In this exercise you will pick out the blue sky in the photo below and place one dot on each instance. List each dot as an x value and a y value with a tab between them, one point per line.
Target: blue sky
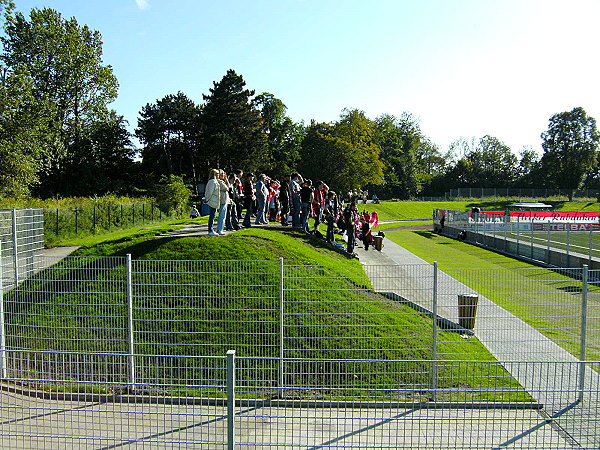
465	68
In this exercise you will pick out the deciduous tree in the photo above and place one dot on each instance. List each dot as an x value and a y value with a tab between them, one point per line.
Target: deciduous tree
570	149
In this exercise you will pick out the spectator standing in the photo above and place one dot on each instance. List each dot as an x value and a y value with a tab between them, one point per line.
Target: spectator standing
319	197
223	201
232	222
212	197
350	215
273	200
329	220
295	199
284	200
248	198
262	195
306	199
239	201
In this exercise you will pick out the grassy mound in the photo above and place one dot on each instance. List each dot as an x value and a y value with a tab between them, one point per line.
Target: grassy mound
201	296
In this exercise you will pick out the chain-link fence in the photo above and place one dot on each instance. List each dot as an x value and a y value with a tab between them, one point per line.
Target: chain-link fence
133	352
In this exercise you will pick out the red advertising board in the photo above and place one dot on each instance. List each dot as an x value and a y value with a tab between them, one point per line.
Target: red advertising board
582	216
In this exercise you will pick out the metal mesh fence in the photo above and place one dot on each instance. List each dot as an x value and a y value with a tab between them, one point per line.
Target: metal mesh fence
63	223
517	192
347	405
380	356
556	244
21	239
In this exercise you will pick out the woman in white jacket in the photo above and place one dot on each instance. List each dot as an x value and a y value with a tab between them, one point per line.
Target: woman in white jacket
213	196
223	201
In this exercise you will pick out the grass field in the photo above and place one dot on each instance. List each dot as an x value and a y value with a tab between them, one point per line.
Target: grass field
582	242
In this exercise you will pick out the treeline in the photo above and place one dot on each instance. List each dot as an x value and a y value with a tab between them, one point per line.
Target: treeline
58	136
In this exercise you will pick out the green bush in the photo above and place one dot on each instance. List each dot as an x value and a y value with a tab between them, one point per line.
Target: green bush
172	189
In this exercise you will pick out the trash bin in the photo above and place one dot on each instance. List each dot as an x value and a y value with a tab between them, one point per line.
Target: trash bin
467	309
378	242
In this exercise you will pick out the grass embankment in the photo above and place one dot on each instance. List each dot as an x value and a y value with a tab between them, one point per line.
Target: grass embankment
202	296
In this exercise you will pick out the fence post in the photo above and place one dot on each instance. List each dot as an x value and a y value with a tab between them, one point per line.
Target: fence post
2	330
15	247
568	245
582	355
548	243
57	225
281	321
434	368
531	236
518	234
231	399
591	246
130	323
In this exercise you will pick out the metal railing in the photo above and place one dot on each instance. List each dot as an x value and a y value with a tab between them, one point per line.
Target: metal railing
326	355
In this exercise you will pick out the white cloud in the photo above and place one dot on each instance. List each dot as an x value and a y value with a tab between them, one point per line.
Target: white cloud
142	4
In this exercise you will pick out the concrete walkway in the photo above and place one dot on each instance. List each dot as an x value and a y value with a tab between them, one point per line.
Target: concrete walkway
549	373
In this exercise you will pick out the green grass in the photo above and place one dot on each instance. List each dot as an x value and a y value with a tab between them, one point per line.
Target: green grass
583	242
545	299
202	296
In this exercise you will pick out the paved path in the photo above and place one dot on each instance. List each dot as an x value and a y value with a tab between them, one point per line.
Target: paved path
548	372
37	423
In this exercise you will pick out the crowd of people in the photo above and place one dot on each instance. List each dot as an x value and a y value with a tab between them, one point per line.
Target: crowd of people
237	199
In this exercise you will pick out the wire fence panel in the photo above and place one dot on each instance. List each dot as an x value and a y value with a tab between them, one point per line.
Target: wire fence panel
380	355
347	404
471	192
335	311
558	244
67	409
62	223
196	307
21	240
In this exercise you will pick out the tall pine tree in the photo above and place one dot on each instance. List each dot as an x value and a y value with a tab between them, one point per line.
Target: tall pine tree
233	135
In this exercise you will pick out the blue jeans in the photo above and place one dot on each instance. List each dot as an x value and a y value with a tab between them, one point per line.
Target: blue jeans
351	238
211	219
296	212
260	214
304	217
222	216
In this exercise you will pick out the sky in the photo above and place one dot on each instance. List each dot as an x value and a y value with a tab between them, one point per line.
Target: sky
463	68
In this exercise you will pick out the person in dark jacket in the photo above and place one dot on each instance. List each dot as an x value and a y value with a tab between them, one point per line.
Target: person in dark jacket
248	198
